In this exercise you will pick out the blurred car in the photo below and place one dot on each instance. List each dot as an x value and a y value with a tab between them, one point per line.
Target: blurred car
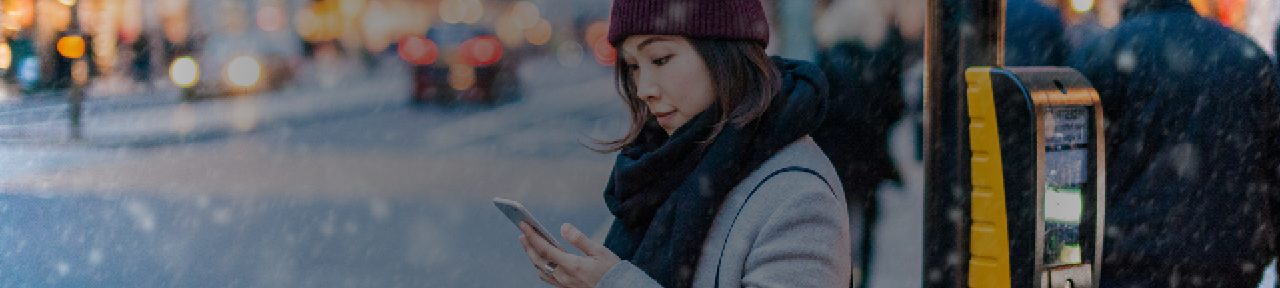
230	65
460	63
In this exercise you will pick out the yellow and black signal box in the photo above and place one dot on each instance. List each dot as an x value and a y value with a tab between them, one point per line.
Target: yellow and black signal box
1037	199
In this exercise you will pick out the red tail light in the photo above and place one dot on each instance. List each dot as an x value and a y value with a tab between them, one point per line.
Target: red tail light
481	50
418	50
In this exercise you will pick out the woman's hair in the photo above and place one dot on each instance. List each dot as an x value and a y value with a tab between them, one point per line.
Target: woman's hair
744	80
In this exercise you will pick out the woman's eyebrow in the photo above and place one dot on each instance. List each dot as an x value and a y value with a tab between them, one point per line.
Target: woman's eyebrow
652	40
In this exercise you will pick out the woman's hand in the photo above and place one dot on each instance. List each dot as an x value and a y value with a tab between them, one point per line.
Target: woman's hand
566	270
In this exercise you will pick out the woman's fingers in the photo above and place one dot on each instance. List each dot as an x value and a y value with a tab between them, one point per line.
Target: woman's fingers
568	270
545	249
547	277
533	253
575	237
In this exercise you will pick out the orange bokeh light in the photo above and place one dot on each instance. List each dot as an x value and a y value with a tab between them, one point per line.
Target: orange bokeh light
71	47
539	34
525	14
596	31
605	53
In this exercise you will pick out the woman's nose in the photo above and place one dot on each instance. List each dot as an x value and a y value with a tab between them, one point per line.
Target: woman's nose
646	89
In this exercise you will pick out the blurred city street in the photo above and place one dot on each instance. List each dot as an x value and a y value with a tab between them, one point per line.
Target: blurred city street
380	193
344	187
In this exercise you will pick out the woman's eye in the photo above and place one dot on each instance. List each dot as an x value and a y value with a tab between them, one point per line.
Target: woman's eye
633	67
663	60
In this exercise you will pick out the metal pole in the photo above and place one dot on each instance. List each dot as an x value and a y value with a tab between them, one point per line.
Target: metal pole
76	98
959	34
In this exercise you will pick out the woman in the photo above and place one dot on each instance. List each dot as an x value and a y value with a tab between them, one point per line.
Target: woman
717	183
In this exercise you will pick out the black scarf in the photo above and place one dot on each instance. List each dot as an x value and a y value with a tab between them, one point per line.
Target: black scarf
666	191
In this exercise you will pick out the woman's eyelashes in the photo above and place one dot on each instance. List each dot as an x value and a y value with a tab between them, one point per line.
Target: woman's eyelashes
656	62
663	60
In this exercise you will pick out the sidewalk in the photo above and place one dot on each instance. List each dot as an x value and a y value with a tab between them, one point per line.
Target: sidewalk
195	121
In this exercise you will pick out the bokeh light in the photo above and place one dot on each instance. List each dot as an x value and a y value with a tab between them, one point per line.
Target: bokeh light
6	55
184	72
605	53
378	25
1232	12
67	2
11	21
28	72
569	53
351	8
418	15
18	14
478	51
131	21
244	71
307	24
597	30
71	47
176	30
1081	6
418	50
525	14
539	34
462	77
475	10
453	11
508	32
271	18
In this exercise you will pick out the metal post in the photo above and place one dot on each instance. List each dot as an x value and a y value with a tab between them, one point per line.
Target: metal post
75	99
960	34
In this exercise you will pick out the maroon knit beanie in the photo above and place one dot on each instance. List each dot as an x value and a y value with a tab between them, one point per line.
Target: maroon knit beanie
710	19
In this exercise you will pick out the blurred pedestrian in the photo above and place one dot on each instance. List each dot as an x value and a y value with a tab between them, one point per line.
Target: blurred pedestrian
717	183
862	55
141	61
1034	35
1085	30
1191	114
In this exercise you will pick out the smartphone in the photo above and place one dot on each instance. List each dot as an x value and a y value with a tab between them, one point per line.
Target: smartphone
517	214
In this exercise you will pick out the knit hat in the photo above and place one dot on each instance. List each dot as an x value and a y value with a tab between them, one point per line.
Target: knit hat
711	19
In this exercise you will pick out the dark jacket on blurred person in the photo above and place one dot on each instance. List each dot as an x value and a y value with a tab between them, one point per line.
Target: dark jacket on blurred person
862	57
866	89
1191	113
1035	35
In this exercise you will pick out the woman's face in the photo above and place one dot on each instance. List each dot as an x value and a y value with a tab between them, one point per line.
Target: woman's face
671	78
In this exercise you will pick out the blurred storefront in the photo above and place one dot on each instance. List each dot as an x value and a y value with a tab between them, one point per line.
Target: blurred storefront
1257	18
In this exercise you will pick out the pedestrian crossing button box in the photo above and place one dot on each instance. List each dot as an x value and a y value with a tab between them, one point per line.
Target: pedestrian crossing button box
1037	178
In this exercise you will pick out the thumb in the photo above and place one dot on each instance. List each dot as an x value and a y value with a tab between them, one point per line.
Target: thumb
575	237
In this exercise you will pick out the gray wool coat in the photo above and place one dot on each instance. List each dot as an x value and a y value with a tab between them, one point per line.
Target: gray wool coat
793	231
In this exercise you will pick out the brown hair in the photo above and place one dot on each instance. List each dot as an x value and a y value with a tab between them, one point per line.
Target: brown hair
743	77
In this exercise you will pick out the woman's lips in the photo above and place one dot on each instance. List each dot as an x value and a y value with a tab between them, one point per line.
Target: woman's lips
664	117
